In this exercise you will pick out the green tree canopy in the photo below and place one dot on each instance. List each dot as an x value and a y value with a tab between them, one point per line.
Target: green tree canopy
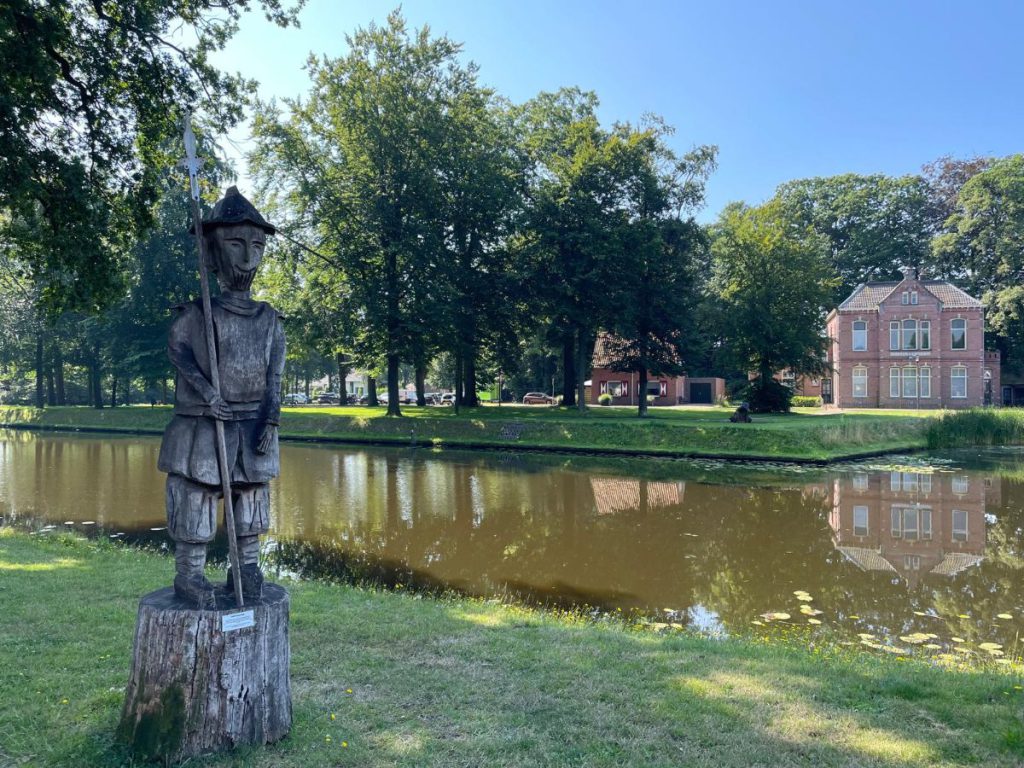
773	286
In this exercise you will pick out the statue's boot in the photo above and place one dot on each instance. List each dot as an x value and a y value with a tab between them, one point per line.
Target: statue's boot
190	582
252	576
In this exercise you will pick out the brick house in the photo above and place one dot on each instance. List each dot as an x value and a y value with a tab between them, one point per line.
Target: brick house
666	390
911	523
910	343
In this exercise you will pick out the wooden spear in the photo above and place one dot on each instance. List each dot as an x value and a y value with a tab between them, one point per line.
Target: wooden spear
192	163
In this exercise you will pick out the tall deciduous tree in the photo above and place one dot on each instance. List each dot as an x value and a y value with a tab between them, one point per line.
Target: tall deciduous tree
359	163
983	247
653	318
774	284
91	91
873	225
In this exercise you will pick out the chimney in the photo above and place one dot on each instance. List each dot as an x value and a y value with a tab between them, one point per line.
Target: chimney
910	273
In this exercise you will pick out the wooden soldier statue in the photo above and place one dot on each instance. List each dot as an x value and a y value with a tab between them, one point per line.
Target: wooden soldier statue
250	349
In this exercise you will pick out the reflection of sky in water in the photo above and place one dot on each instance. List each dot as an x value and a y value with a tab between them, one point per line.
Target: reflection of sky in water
875	544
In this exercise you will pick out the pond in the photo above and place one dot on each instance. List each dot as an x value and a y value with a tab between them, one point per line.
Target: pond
923	548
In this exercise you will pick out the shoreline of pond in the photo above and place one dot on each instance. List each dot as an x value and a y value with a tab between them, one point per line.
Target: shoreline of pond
815	440
399	648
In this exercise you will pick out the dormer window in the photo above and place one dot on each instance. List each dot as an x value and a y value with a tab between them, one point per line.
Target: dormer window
913	297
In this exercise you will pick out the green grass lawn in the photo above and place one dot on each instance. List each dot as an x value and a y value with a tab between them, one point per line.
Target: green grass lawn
388	679
806	434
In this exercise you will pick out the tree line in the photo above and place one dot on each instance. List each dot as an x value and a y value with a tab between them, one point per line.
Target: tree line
431	228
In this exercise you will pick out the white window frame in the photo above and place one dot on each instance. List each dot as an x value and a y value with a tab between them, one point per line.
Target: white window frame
957	322
860	526
905	298
959	532
860	481
910	382
894	335
860	372
913	297
911	326
895	385
961	484
955	373
623	387
924	382
924	333
863	346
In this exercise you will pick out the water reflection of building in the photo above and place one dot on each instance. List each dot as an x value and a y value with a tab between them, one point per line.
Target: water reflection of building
911	523
613	495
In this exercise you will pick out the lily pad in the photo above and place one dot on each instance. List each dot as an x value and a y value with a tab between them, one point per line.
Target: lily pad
775	616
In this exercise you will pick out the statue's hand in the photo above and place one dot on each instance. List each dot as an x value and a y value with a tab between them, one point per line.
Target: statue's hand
266	441
219	409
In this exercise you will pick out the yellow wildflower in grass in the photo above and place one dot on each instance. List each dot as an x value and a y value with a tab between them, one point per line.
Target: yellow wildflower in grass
344	744
348	690
332	715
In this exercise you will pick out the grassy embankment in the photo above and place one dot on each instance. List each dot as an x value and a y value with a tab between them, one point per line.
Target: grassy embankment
804	435
388	679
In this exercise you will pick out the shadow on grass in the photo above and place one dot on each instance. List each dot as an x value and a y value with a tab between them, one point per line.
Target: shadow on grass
412	681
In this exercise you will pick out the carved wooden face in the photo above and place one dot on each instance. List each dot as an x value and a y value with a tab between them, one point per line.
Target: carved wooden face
235	254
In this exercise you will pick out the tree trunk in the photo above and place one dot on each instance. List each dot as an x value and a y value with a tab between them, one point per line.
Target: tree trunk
585	352
421	385
568	370
164	384
51	392
96	380
306	387
58	375
40	373
642	392
394	406
371	391
458	380
197	687
342	376
469	379
113	391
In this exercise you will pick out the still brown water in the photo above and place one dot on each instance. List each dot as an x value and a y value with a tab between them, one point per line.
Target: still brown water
929	545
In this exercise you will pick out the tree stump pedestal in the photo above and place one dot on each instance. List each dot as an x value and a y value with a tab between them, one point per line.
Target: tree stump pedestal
206	681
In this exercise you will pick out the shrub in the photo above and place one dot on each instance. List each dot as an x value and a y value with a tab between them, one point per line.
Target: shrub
804	401
605	399
650	399
768	396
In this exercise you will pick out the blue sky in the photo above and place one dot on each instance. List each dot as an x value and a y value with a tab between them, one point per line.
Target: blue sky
786	90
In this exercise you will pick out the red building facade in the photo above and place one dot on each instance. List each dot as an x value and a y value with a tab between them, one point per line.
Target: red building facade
909	344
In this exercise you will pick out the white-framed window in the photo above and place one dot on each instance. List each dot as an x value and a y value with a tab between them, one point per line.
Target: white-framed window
925	335
911	522
910	382
657	388
911	481
905	298
925	381
894	481
926	483
894	382
958	334
789	379
615	388
913	297
860	481
860	381
961	484
958	381
860	521
910	334
860	336
894	335
912	562
959	525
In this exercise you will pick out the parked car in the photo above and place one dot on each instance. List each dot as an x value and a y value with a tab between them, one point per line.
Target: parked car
432	398
329	398
448	398
295	398
537	398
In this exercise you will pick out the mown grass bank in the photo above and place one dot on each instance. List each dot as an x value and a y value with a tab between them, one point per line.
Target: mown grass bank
801	436
387	679
977	427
